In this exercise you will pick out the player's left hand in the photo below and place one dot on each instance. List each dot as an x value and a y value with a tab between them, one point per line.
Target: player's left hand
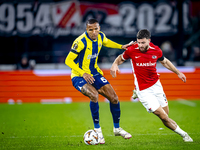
113	70
182	77
127	45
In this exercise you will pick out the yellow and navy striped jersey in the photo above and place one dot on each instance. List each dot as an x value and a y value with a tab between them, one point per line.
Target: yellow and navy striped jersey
84	54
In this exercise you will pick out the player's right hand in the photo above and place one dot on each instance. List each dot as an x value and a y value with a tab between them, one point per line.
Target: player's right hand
182	77
127	45
88	78
113	70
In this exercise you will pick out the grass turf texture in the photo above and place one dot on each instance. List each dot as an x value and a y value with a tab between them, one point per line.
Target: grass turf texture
62	126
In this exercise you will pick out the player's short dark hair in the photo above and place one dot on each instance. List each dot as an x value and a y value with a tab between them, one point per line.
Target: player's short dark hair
91	21
144	33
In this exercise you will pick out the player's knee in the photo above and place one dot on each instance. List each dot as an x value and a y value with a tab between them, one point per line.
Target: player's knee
160	112
94	97
114	99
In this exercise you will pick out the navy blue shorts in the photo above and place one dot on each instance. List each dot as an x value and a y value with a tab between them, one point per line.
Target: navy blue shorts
79	82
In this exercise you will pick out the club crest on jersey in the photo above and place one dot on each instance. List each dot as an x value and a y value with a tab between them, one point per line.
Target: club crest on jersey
100	45
154	57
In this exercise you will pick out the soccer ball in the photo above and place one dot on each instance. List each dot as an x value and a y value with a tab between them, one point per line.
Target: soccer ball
91	137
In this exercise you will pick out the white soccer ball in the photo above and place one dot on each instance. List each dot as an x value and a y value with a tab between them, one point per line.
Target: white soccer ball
91	137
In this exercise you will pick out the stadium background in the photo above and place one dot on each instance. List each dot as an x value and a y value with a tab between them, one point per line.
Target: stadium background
43	31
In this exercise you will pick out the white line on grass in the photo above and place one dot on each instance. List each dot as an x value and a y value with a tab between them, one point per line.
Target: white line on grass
14	137
186	102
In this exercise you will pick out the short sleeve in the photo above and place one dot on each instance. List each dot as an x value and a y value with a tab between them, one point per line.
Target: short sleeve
125	55
161	58
160	55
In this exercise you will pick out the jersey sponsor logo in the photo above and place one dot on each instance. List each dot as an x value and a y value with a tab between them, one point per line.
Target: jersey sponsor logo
146	64
137	56
93	56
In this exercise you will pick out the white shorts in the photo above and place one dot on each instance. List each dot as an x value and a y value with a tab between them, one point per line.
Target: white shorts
153	97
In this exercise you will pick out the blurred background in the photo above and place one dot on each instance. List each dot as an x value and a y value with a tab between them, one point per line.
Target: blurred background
41	32
36	35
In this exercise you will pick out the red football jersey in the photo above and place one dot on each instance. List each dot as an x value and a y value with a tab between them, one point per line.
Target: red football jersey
144	64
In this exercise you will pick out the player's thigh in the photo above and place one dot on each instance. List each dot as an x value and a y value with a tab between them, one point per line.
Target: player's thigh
166	109
108	92
158	90
85	88
148	100
89	91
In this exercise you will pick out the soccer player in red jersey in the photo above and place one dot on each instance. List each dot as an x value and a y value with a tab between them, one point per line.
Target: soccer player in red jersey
144	56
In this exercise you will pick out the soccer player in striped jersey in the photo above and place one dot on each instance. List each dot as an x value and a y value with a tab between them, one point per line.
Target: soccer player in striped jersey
88	78
149	90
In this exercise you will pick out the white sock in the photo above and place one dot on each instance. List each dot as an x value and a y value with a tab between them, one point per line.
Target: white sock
180	131
97	128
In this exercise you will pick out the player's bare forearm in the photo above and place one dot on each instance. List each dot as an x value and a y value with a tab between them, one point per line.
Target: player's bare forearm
114	68
167	64
118	61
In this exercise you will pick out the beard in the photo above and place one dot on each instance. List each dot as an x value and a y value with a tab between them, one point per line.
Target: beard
93	37
144	49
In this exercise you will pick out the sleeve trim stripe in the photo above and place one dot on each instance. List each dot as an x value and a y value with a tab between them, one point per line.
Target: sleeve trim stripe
123	57
74	51
161	58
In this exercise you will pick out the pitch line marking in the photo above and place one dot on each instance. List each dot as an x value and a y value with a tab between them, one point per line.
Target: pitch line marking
13	137
186	102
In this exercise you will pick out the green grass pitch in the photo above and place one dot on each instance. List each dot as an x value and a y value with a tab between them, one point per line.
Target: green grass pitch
62	126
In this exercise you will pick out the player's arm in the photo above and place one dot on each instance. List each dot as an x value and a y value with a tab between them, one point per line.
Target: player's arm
76	48
69	61
111	44
167	64
114	68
